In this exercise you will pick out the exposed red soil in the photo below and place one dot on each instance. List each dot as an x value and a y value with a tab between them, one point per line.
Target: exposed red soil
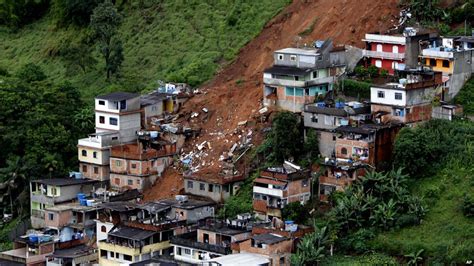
235	93
169	185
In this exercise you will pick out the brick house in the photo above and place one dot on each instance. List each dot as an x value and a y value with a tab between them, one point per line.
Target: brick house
138	165
276	247
278	186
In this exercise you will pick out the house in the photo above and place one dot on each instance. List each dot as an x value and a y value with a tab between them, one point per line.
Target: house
138	165
409	100
94	155
447	111
111	214
29	250
209	241
48	193
453	56
273	246
118	112
338	174
217	187
78	255
300	75
155	104
126	245
183	208
324	118
396	51
278	186
370	144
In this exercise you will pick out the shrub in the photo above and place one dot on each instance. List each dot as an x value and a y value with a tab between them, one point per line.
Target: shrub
356	88
31	72
468	206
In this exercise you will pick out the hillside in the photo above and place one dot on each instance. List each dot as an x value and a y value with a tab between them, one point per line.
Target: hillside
234	95
163	40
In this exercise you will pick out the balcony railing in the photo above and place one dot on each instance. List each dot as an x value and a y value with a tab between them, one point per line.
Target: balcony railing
437	53
383	55
297	83
186	240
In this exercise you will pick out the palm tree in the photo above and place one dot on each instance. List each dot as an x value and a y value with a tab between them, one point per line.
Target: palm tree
312	248
415	258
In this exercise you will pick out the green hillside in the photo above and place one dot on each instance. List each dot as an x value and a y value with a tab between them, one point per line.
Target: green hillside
163	40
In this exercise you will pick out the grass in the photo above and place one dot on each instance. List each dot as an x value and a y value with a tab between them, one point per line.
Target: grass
369	259
180	40
445	234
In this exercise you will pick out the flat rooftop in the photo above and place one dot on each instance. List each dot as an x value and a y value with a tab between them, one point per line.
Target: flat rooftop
131	233
60	182
73	252
299	51
269	239
118	96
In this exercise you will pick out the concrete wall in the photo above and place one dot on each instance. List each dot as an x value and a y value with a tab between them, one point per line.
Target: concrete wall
275	251
219	192
101	156
100	235
389	96
297	191
193	215
123	182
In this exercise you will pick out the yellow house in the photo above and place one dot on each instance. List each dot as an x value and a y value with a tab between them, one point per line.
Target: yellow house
445	65
126	245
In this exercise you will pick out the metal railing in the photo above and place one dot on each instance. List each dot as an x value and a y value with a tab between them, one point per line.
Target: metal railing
385	55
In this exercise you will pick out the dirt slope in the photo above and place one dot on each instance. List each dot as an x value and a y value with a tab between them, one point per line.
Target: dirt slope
235	93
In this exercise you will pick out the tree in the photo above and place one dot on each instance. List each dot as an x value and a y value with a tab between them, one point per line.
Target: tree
105	21
313	247
285	135
31	72
294	211
75	11
311	145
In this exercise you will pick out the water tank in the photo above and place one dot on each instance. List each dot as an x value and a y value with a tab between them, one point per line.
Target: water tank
340	105
81	196
33	238
154	134
320	104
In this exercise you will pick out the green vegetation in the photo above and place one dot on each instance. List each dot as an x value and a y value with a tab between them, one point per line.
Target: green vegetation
465	97
363	260
446	234
356	88
185	41
284	141
240	202
313	248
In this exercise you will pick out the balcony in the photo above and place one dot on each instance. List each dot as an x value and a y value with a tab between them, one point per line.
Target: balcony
269	191
37	214
297	83
99	140
437	53
383	55
190	240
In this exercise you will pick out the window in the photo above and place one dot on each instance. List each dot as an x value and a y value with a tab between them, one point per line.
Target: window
138	182
102	119
304	182
96	170
112	254
315	74
123	105
153	108
202	186
103	253
113	121
432	62
114	138
398	95
190	184
379	48
211	188
282	260
127	257
103	229
118	163
51	216
101	102
130	182
94	154
117	181
314	118
84	168
291	91
378	63
293	57
187	251
297	78
134	166
395	49
280	57
84	153
445	63
54	191
333	137
380	94
344	151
